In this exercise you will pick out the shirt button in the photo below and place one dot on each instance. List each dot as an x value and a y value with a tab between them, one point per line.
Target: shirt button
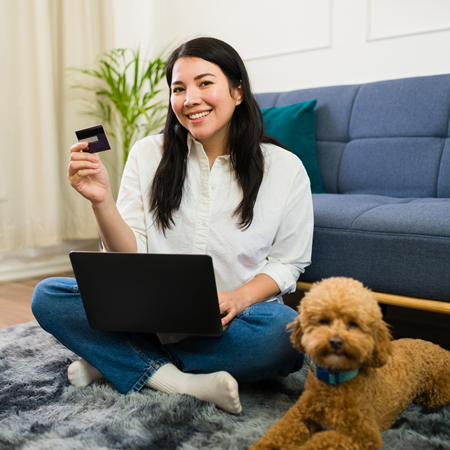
203	223
213	188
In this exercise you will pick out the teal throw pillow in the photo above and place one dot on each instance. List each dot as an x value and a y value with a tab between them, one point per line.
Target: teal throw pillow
295	127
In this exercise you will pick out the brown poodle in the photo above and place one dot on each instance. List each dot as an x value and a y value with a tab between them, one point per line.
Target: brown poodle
359	381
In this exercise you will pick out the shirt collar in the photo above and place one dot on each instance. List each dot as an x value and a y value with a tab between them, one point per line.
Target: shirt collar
192	143
195	147
334	378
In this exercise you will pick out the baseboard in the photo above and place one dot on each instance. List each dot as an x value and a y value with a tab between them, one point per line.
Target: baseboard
35	269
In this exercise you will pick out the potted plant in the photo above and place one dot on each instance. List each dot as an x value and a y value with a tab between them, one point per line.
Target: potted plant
126	95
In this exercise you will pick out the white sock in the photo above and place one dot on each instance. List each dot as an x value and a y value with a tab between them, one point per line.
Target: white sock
219	388
81	373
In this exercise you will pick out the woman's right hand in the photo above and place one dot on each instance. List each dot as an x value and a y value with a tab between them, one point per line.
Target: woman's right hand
87	174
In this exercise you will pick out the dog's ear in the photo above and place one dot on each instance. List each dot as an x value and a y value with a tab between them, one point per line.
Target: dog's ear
382	348
295	328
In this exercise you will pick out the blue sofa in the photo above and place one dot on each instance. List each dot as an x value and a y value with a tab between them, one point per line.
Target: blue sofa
383	151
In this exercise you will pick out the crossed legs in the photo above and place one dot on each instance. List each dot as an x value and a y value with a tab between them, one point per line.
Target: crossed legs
255	347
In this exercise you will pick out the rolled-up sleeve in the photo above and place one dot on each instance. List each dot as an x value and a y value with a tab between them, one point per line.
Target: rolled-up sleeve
291	250
130	202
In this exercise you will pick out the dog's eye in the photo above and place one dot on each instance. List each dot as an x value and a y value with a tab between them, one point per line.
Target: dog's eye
324	321
352	324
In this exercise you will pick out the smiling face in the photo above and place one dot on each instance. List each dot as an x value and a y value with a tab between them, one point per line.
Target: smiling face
203	101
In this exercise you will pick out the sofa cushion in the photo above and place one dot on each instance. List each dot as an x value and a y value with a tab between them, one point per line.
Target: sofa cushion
329	156
294	126
399	108
393	245
443	184
399	167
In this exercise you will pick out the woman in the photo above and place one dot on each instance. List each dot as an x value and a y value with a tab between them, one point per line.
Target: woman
214	184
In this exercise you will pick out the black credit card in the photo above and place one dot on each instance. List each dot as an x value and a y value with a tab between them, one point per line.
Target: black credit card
96	137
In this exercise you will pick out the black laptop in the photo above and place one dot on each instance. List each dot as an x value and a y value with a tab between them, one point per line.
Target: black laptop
148	293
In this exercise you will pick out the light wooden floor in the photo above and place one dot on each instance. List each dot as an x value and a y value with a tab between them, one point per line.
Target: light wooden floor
15	300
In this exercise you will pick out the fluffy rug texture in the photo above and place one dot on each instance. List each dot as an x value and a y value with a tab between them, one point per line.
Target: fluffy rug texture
39	409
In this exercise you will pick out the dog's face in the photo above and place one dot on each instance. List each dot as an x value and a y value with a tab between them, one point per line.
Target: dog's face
340	326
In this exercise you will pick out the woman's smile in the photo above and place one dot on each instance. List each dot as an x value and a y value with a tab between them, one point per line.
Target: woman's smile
197	117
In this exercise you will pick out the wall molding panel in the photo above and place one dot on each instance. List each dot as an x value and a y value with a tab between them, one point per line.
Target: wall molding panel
257	29
323	36
393	19
315	33
289	52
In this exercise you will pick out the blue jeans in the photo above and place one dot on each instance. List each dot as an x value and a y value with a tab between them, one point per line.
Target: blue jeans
255	347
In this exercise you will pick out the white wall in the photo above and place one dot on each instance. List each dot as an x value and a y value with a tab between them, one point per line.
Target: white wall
140	23
292	44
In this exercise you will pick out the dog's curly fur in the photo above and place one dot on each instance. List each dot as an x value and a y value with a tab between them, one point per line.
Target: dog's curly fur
392	374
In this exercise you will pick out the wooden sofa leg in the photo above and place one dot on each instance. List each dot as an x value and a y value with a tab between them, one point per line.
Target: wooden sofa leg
398	300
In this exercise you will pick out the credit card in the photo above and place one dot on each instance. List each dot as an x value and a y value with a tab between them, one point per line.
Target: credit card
96	137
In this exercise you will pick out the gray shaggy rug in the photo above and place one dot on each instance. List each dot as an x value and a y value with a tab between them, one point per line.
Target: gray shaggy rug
39	409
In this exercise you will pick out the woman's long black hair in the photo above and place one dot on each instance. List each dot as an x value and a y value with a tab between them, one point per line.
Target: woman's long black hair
246	132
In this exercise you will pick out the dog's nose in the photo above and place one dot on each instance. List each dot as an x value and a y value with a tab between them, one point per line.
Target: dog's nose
336	342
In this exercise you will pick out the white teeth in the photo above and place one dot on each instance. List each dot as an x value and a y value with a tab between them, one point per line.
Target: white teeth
198	116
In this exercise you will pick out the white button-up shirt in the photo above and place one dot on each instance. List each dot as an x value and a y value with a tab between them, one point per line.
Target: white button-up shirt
277	243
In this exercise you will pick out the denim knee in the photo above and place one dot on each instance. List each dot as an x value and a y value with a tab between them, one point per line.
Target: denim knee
272	353
38	301
274	317
47	296
284	316
288	359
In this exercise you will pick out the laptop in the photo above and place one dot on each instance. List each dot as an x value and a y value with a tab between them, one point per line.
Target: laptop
148	293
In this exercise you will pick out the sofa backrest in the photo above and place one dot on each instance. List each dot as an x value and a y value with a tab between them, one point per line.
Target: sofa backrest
385	138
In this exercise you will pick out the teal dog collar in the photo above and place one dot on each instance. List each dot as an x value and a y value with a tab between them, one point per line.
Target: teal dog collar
334	378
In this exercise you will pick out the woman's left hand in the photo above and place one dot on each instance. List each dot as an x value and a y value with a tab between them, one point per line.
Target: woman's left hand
259	289
231	304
